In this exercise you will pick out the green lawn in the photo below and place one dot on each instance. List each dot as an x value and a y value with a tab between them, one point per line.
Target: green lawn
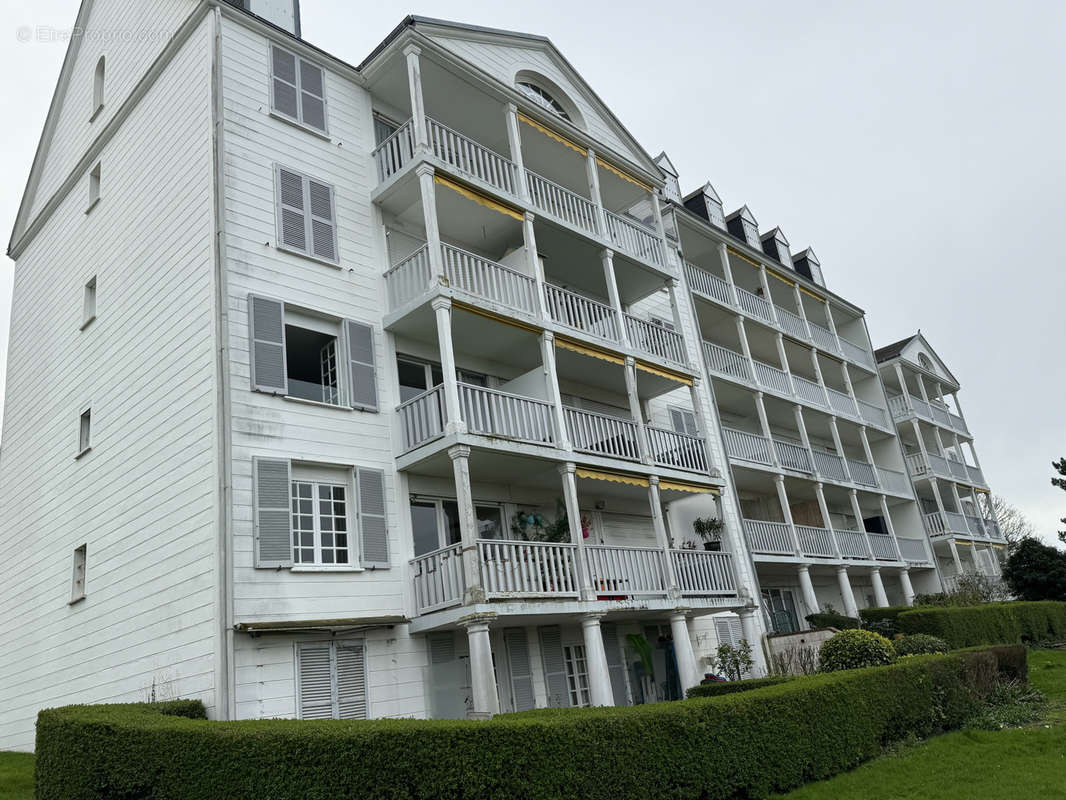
16	776
982	765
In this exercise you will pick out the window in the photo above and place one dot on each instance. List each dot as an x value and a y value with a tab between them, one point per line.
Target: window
85	431
416	377
318	516
331	680
89	302
77	583
577	675
435	523
94	187
924	362
98	88
383	128
779	606
319	523
307	356
543	99
305	214
683	421
297	89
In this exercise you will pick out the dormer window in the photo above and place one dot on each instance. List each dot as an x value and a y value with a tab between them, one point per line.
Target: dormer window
543	99
775	244
742	225
708	205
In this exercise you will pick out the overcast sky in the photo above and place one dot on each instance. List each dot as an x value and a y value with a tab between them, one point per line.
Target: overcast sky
918	146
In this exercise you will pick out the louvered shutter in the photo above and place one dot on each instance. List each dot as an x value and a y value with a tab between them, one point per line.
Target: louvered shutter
314	664
266	321
292	217
683	421
517	644
273	513
362	365
551	654
351	680
312	96
284	91
323	233
441	647
373	531
729	630
615	666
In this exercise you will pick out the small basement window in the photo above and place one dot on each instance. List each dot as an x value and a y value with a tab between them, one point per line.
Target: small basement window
77	583
311	357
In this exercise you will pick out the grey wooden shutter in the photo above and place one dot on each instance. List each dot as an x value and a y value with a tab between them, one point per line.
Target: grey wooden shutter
362	365
312	96
373	530
441	647
729	630
551	654
351	680
284	91
266	322
314	668
322	222
615	666
292	210
517	644
273	513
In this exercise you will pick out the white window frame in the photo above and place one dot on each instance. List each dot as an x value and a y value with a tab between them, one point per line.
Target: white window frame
77	580
99	87
94	187
298	120
687	411
298	317
85	431
334	677
577	675
315	480
88	313
442	519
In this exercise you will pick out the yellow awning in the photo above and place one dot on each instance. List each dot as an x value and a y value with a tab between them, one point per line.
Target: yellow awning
740	255
552	134
479	198
998	546
809	293
678	486
587	350
623	174
664	373
773	274
613	477
963	541
495	317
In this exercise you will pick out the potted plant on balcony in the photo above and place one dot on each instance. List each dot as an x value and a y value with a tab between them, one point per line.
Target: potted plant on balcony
709	529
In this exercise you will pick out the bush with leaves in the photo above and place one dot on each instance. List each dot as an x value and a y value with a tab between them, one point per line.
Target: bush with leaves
831	619
1036	571
919	644
991	623
734	662
854	649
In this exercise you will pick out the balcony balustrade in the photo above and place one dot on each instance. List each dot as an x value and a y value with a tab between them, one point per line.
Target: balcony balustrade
772	378
882	546
559	202
906	406
746	446
815	542
708	284
656	340
852	544
602	435
582	313
491	412
773	538
948	468
670	448
634	238
809	391
823	337
862	472
422	418
790	323
523	569
793	456
437	579
395	152
701	573
728	362
751	447
471	158
893	480
856	353
841	403
488	280
830	466
914	550
873	414
755	306
627	571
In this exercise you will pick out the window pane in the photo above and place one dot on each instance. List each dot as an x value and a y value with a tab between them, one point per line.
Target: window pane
424	527
452	534
489	522
412	379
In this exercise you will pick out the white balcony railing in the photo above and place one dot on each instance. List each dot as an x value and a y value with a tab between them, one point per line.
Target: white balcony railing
893	480
921	408
422	418
633	238
874	415
582	313
852	544
974	524
703	573
809	391
815	541
914	550
936	523
727	362
708	284
602	434
656	340
976	476
830	466
491	412
855	352
489	280
940	413
897	404
958	469
917	464
958	423
510	568
471	158
680	450
823	337
841	402
791	323
957	522
394	152
409	278
773	538
862	472
793	456
437	579
561	203
938	464
772	378
882	546
755	305
747	446
619	572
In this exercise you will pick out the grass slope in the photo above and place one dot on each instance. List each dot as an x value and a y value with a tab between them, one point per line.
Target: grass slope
970	765
16	776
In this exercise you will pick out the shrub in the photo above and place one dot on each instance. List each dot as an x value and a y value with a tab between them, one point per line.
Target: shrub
734	662
919	644
715	688
992	623
854	649
1036	571
882	620
1010	704
782	736
831	619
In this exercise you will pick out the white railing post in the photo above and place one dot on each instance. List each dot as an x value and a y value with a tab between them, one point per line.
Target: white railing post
568	471
659	525
860	526
764	426
442	307
514	142
765	282
801	426
533	263
833	327
607	259
635	410
802	311
551	382
414	85
783	357
849	386
903	385
869	453
701	421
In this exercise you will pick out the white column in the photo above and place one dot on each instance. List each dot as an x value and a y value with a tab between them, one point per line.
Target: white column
832	326
764	426
869	453
514	142
977	512
801	426
551	384
823	509
635	410
800	310
482	675
672	286
464	500
810	598
908	590
973	453
687	671
442	307
786	512
751	624
727	270
568	471
838	443
593	173
657	215
853	496
958	410
701	421
414	85
783	357
600	693
766	291
607	259
533	264
888	524
428	194
955	556
818	374
848	384
745	348
880	597
903	385
658	525
850	608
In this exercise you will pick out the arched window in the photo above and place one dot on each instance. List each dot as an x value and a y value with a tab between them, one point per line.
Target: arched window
923	360
543	99
98	86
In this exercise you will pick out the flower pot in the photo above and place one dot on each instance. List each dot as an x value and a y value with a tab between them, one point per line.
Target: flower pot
714	547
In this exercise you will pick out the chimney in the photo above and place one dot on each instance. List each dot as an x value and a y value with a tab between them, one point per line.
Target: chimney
743	226
706	203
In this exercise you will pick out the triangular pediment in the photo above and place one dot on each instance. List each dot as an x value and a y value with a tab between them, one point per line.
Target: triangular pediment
919	351
665	164
744	213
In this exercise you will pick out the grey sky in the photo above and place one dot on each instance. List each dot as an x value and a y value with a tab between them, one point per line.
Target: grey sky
917	146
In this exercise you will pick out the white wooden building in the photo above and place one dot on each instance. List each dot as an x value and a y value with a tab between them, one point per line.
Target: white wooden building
395	389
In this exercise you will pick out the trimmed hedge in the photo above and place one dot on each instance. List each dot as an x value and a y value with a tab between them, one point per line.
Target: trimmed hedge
715	688
747	744
990	623
838	621
855	649
919	644
884	612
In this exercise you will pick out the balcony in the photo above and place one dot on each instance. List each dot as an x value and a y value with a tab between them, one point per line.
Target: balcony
775	539
934	465
515	570
706	284
487	169
904	407
756	374
915	551
952	523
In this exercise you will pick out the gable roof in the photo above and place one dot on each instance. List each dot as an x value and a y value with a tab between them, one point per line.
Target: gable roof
744	213
665	164
890	351
897	349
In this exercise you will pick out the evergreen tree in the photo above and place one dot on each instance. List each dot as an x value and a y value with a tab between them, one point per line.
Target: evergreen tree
1060	467
1036	571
